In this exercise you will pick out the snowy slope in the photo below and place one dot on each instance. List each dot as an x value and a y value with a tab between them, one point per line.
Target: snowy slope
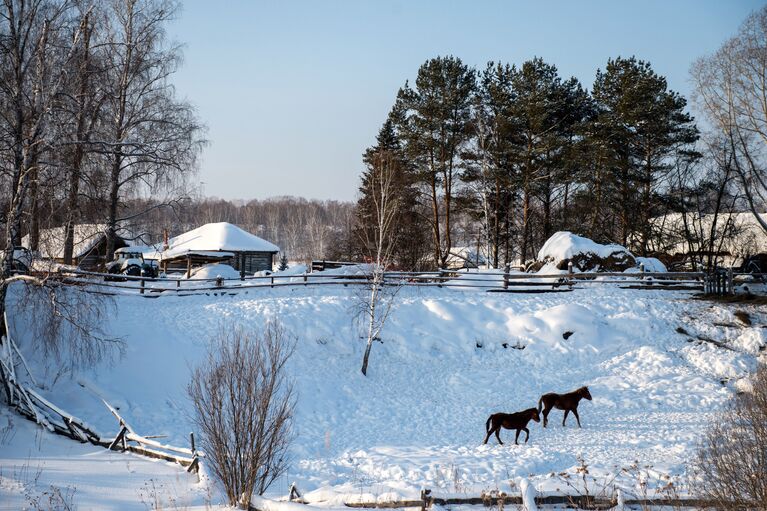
418	419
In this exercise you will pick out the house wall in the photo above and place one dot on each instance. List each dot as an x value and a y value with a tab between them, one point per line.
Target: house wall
254	261
95	259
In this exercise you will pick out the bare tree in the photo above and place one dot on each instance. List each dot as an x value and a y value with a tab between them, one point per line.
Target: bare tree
69	322
244	404
731	87
732	460
150	139
384	198
34	69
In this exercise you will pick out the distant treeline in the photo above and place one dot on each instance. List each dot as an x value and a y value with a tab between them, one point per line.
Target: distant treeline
302	228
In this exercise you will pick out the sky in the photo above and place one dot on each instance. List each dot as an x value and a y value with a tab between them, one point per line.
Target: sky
293	92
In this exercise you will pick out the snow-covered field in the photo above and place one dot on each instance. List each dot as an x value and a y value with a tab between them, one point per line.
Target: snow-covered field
449	358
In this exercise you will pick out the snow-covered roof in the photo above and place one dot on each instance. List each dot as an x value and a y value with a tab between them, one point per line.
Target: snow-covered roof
221	236
86	236
746	236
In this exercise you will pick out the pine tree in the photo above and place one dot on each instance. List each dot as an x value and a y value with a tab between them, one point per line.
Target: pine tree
543	116
283	262
489	172
409	235
639	127
434	122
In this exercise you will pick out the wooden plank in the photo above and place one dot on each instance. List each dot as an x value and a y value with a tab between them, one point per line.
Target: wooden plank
529	291
581	501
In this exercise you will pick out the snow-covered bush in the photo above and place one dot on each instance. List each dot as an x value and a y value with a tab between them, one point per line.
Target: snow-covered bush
243	403
586	255
732	460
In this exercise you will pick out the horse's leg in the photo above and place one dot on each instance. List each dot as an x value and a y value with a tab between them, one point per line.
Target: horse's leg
498	434
575	412
565	417
546	416
527	434
487	436
516	438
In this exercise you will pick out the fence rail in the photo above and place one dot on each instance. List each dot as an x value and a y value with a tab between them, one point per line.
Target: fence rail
507	281
499	499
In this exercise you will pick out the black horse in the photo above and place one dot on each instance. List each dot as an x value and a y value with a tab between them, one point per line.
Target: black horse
516	421
567	402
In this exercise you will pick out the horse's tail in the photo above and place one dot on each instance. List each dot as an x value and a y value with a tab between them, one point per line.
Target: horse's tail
540	404
487	424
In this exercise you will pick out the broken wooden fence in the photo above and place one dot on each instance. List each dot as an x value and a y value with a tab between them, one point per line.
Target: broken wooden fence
29	403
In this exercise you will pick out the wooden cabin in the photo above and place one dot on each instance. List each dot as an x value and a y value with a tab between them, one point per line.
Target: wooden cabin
220	242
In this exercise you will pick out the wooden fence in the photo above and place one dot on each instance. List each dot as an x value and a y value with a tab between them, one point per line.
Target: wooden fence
29	403
499	500
510	282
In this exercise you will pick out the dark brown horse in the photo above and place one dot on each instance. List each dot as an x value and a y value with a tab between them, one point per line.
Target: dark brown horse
516	421
567	402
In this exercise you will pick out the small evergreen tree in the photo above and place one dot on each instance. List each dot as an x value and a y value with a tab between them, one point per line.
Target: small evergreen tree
283	262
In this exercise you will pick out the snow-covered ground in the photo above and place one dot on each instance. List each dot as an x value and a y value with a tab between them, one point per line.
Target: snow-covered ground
449	358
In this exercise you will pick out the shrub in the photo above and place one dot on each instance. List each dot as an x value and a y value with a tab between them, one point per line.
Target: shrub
732	461
244	405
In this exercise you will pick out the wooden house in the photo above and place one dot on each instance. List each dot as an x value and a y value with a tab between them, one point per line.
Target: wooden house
90	245
220	242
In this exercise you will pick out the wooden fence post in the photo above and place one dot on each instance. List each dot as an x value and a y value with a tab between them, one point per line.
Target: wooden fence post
506	270
641	271
142	286
425	499
730	283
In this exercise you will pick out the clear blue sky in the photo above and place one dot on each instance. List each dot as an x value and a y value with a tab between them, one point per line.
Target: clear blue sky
294	91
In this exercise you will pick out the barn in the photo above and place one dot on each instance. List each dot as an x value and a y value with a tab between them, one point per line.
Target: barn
219	242
90	245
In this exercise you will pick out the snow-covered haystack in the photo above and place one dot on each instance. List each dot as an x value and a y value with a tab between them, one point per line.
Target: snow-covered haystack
215	270
586	255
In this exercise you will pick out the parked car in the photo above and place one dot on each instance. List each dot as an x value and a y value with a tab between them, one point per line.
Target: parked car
131	262
22	260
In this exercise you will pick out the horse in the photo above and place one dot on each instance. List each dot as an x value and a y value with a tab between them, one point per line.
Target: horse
567	402
516	421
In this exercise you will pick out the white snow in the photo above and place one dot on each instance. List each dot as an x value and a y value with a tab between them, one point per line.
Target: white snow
221	236
215	270
51	245
748	236
448	359
564	245
652	264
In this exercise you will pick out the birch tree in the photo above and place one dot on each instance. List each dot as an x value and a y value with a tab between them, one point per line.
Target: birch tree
33	73
384	205
150	139
731	89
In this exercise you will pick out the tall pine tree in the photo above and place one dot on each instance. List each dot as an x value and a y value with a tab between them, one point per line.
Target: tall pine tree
433	120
